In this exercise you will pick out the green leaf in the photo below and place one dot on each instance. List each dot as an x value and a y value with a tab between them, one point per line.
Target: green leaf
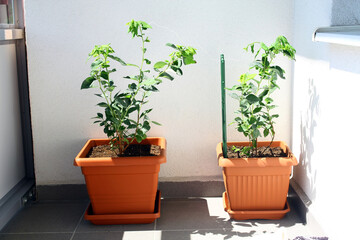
264	93
102	104
235	96
252	98
242	79
166	75
263	46
265	61
156	123
150	82
252	120
104	75
250	76
257	64
147	61
256	133
132	65
177	64
266	132
123	102
244	104
271	107
268	100
172	45
256	110
138	138
133	77
131	126
96	64
146	126
100	115
279	71
160	64
117	59
111	88
152	89
274	86
178	71
144	25
132	109
133	27
87	82
188	60
246	151
146	112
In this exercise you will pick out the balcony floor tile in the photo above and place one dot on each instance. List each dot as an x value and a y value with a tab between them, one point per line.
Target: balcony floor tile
181	219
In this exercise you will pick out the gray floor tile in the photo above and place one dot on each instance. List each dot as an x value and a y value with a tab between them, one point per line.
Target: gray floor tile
190	214
87	226
36	236
198	235
99	235
181	219
126	235
290	226
47	217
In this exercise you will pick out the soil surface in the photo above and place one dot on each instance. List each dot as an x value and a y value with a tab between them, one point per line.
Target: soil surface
261	152
133	150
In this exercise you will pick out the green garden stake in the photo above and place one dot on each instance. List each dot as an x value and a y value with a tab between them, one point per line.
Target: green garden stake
223	104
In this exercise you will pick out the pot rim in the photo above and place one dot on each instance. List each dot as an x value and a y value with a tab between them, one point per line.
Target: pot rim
257	162
82	161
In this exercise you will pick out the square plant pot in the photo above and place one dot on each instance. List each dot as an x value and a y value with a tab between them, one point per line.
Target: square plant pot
121	185
257	184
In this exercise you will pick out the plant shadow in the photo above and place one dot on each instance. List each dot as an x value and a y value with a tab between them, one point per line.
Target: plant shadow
201	219
308	126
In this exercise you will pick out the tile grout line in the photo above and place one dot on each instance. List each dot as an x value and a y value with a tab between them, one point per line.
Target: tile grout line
154	231
193	229
77	226
31	233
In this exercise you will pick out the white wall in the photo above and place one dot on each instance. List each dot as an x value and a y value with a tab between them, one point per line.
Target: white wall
11	148
325	121
60	34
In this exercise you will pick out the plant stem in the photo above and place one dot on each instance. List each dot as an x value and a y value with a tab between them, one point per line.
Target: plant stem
141	76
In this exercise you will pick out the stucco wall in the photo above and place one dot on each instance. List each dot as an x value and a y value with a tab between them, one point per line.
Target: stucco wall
60	34
325	131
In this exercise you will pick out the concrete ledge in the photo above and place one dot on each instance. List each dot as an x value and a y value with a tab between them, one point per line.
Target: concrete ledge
302	204
175	188
61	192
169	189
213	188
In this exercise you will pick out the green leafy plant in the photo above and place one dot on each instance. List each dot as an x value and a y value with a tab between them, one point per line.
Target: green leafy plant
124	118
254	90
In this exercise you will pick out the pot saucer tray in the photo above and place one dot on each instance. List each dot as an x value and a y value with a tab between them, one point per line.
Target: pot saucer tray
254	214
128	218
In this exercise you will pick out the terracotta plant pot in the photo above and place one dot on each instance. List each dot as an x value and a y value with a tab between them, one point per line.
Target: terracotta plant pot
122	185
256	184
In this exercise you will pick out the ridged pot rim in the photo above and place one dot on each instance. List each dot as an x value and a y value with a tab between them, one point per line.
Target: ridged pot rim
82	161
257	162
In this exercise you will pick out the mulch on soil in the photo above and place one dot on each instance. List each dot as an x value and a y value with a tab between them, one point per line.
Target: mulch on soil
134	150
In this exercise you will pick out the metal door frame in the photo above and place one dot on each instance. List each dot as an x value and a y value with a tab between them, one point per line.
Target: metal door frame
18	196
